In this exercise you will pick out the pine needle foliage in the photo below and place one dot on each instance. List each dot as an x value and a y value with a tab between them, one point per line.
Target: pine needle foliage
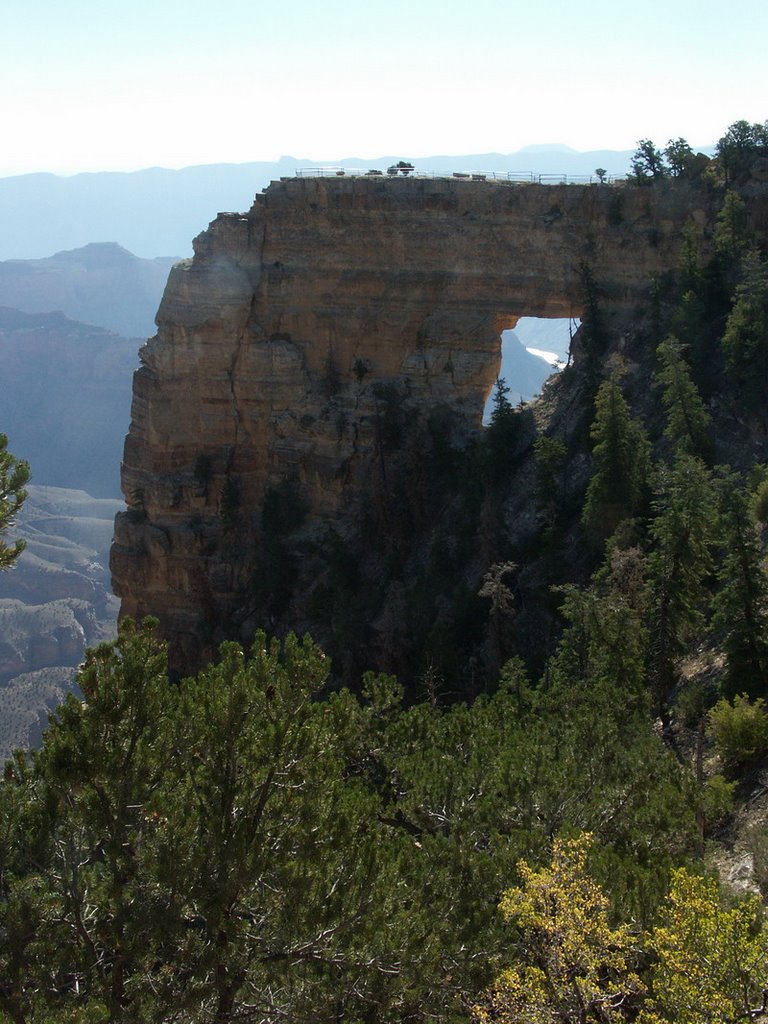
14	475
618	489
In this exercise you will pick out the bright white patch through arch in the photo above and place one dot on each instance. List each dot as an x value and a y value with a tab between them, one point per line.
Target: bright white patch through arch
532	352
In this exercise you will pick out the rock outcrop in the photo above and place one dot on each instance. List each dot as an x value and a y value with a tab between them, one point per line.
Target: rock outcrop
333	312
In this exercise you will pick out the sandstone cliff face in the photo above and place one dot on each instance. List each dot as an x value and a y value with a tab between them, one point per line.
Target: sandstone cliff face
303	329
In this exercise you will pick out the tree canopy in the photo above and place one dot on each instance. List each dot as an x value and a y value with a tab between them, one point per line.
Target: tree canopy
708	960
246	844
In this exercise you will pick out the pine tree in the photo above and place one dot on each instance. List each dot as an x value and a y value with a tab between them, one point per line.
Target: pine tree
14	475
690	263
501	433
679	156
737	150
26	894
741	605
551	455
496	589
732	239
648	163
683	532
732	235
688	422
618	489
705	299
102	765
745	340
242	855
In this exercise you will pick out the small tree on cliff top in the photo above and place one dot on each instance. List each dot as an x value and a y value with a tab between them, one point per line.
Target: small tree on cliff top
648	162
679	155
737	150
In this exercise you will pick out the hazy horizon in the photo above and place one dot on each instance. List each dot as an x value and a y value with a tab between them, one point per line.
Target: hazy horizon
87	87
541	150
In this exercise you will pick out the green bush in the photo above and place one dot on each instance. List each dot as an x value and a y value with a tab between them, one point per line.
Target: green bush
717	800
693	701
739	731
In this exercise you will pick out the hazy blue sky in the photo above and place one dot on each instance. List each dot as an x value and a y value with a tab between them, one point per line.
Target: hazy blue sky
96	85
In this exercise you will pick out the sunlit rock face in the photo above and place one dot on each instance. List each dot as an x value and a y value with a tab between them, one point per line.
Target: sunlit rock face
285	343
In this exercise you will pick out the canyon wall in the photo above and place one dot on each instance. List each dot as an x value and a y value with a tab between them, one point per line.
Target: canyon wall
286	346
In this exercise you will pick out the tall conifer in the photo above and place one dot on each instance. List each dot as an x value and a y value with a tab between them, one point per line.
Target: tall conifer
688	422
741	606
618	489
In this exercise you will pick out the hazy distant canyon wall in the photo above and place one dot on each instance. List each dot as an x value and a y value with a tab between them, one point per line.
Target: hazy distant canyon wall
287	340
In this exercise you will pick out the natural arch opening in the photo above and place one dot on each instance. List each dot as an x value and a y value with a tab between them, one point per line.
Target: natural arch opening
536	348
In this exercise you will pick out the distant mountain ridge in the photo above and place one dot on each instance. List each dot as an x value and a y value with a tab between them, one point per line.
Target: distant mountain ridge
99	283
66	396
157	212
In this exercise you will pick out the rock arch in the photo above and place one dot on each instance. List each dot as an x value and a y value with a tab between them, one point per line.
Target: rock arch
277	342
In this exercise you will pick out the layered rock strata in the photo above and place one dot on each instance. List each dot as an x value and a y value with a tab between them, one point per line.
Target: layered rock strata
284	342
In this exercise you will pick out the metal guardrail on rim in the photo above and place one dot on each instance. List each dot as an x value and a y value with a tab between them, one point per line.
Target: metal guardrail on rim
520	177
